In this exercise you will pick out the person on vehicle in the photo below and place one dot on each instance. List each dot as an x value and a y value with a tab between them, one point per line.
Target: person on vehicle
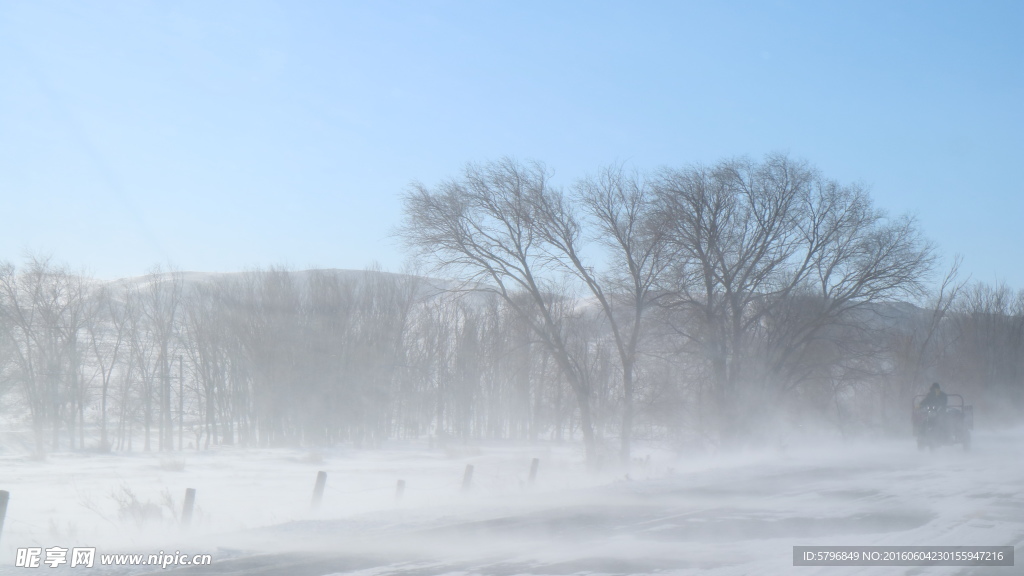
936	398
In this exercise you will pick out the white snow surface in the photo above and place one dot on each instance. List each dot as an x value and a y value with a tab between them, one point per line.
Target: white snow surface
724	514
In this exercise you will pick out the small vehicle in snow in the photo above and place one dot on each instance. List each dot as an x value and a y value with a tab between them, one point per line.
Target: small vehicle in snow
939	426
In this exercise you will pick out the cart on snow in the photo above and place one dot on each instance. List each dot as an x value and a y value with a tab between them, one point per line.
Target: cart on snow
940	426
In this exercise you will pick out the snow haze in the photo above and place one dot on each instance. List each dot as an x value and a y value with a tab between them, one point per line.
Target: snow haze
713	514
566	288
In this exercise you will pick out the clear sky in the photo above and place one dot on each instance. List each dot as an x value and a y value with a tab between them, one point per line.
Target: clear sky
216	136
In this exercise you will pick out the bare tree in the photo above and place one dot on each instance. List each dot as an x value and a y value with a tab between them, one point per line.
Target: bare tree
484	228
986	358
162	299
913	348
619	207
751	240
204	334
44	307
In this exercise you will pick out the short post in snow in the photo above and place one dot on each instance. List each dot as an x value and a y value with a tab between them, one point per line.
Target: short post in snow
4	497
399	489
467	478
186	509
318	489
533	470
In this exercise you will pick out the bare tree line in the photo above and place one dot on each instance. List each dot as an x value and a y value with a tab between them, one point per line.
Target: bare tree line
703	305
757	280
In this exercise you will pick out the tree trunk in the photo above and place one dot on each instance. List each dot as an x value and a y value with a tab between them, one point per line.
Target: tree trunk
627	412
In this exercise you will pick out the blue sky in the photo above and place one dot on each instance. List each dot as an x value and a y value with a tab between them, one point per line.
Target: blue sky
216	136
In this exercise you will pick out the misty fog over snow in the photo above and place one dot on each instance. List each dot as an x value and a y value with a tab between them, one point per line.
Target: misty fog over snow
565	288
738	513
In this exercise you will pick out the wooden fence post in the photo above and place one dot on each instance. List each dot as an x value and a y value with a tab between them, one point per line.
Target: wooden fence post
186	509
467	478
318	489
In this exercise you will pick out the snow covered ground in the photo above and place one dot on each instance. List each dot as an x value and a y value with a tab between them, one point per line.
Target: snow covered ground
709	515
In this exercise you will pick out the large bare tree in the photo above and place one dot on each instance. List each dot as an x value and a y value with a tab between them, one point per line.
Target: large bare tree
768	254
485	228
618	207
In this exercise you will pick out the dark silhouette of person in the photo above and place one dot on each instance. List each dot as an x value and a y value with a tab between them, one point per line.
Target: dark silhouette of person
936	398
